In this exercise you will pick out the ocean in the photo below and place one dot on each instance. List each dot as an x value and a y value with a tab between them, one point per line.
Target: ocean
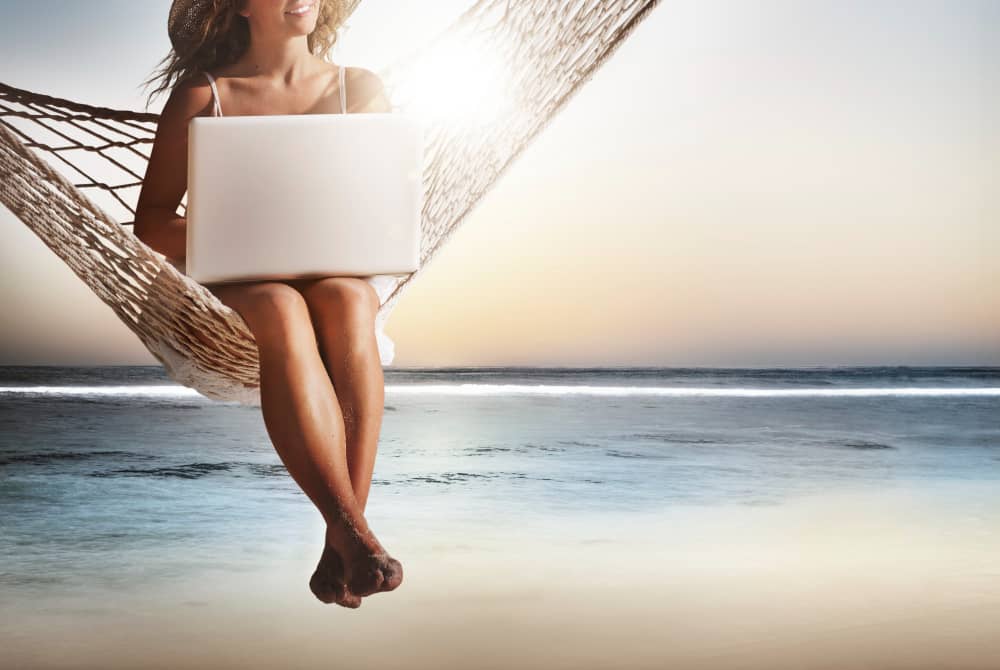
136	516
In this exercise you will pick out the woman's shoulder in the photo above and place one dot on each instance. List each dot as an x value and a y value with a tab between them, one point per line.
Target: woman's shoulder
365	90
190	97
361	76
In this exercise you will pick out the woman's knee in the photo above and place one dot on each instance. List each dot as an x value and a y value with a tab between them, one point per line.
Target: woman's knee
267	306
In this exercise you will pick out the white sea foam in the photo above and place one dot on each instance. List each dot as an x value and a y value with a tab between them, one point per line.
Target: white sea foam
158	391
165	391
680	391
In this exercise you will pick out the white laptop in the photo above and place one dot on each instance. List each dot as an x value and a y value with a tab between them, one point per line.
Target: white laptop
303	195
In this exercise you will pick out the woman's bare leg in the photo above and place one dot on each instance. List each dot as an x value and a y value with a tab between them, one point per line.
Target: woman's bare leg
304	421
343	313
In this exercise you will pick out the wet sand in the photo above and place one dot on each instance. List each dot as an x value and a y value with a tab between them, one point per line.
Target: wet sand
903	578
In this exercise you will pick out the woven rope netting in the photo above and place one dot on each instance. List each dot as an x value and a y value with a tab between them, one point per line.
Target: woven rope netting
72	172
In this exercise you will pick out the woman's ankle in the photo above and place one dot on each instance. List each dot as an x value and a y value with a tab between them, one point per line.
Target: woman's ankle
350	536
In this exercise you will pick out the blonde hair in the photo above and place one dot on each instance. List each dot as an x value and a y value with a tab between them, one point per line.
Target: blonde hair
225	36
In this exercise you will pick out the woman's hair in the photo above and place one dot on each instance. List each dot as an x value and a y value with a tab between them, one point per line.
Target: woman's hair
225	36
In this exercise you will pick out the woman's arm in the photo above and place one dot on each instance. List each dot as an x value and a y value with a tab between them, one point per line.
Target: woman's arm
156	220
163	230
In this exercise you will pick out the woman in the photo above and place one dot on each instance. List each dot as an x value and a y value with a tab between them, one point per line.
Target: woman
321	382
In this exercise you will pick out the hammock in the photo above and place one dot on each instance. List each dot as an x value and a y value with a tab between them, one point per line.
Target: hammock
50	147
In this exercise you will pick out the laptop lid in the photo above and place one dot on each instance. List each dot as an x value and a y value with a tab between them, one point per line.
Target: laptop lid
302	195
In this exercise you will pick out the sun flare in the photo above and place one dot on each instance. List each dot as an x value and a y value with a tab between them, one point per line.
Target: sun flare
457	81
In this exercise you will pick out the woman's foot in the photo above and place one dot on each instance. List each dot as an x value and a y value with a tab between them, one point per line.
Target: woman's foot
327	582
367	567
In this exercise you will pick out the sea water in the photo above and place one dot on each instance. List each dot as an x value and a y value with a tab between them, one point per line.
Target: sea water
116	479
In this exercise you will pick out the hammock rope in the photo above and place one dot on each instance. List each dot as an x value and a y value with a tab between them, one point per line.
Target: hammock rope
51	148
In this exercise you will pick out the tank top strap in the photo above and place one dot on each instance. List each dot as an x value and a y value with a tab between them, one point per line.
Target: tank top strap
217	108
343	91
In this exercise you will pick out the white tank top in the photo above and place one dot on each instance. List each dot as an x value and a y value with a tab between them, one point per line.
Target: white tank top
217	108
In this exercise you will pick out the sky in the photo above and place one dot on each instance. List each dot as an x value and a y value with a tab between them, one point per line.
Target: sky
745	184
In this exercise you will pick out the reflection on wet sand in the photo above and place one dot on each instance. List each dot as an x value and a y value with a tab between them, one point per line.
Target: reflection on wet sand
901	579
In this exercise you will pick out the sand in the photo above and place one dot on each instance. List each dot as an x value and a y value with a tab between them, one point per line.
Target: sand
902	578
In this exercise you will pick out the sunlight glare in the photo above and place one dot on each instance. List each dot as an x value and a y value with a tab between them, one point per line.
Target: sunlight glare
457	81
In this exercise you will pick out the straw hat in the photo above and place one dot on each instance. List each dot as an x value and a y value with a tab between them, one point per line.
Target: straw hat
185	20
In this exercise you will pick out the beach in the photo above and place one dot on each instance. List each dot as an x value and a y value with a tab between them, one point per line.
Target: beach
642	519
